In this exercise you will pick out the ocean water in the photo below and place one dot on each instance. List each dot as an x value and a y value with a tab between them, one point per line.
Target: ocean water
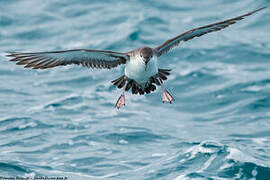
62	122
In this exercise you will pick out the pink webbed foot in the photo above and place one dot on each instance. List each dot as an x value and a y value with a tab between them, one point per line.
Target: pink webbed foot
120	102
166	96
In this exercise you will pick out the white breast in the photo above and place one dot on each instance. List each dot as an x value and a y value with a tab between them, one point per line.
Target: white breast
135	69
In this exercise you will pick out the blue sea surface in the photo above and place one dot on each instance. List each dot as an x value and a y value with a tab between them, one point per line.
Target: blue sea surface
61	122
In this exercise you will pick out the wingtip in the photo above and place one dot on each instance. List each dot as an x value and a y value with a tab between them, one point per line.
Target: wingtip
9	53
260	9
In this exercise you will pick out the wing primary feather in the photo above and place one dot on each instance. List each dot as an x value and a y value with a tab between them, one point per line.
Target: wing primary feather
30	60
51	64
31	64
41	63
45	65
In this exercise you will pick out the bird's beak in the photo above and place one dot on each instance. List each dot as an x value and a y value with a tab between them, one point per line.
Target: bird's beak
145	67
146	62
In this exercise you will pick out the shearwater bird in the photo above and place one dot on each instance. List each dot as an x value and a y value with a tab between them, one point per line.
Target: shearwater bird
142	73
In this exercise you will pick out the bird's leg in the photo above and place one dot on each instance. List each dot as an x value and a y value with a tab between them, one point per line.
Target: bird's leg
166	96
121	101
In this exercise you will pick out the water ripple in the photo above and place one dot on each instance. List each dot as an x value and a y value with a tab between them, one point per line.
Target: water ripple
62	121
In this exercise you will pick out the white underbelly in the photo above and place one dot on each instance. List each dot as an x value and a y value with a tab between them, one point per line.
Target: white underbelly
135	69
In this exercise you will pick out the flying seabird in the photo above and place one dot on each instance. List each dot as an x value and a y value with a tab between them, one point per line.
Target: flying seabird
142	73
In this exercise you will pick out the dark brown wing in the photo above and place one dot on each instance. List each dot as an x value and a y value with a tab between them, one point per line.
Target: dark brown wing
84	57
197	32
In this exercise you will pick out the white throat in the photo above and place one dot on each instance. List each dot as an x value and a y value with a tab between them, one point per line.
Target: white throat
135	69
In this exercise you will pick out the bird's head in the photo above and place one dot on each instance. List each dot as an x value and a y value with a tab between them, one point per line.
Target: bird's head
146	54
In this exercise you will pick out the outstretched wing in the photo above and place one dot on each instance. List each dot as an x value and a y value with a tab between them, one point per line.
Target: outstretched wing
84	57
197	32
